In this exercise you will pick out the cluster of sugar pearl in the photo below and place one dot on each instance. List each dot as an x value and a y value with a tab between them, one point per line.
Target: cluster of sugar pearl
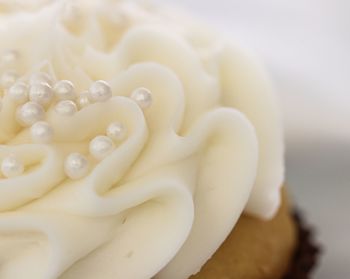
101	146
76	164
33	98
39	94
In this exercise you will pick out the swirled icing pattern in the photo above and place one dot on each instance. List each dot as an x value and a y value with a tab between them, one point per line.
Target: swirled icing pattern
159	205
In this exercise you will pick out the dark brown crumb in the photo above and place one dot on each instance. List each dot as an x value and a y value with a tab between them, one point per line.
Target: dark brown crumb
307	253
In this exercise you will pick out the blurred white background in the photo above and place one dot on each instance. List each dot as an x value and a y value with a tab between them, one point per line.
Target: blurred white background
306	47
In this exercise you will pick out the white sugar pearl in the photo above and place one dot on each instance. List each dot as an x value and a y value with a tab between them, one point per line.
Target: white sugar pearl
143	97
30	113
42	132
116	131
100	91
8	79
76	166
18	92
41	77
66	107
100	147
41	93
11	167
10	56
83	100
64	90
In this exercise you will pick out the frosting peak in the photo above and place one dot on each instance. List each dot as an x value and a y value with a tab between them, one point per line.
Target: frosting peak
125	133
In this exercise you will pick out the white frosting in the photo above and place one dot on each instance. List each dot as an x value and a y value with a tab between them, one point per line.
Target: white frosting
162	202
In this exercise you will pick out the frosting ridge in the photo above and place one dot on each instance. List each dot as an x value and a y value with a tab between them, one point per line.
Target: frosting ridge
206	146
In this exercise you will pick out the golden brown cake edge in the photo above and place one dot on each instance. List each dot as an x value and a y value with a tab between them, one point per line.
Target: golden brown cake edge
255	249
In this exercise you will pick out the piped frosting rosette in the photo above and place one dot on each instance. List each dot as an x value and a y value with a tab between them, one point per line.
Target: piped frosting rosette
131	141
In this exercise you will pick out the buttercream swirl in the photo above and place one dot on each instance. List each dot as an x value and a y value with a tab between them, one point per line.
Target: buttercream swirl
162	202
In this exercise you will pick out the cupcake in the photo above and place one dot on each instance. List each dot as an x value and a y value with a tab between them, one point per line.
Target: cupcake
135	144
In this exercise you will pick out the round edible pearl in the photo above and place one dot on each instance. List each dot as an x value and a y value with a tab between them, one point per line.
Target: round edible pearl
8	79
66	107
10	56
41	77
76	166
42	132
100	147
143	97
83	100
30	113
116	131
41	93
64	90
100	91
11	167
18	92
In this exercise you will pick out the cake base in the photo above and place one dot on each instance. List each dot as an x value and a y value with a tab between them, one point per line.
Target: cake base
255	249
